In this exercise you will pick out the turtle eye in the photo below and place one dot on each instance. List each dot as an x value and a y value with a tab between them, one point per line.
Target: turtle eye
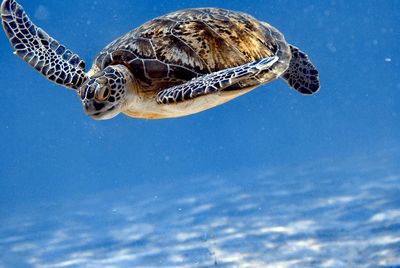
102	93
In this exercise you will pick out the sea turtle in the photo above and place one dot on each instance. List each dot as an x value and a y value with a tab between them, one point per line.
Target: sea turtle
175	65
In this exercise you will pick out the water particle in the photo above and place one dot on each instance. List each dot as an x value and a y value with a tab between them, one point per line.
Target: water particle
41	13
331	47
388	59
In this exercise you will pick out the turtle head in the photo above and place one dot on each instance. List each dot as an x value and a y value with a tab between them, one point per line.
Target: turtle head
104	94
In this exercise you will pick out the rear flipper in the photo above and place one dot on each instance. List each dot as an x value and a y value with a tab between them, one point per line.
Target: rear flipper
302	74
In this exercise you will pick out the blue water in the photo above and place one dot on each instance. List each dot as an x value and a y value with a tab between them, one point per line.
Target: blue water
271	179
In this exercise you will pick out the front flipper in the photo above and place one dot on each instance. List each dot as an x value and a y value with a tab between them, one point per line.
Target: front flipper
214	82
41	51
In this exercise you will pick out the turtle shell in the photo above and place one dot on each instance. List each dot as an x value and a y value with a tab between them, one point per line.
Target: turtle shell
177	47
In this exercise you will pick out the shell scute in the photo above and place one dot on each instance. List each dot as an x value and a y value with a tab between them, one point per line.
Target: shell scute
185	44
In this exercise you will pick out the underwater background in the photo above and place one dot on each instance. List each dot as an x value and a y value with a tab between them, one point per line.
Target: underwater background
271	179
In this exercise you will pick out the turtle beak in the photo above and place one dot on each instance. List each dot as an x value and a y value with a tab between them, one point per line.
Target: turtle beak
99	110
110	113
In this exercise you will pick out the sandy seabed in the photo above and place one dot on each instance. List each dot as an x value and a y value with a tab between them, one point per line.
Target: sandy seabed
343	215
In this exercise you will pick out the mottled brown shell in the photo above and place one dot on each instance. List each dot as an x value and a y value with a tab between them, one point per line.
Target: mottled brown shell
177	47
